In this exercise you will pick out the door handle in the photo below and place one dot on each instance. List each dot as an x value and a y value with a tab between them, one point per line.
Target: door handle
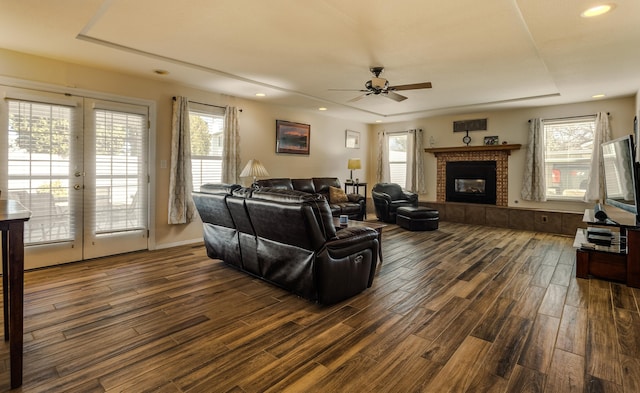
78	174
76	186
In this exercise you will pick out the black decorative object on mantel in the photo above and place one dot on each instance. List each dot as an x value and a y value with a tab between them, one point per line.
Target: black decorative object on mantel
466	139
469	125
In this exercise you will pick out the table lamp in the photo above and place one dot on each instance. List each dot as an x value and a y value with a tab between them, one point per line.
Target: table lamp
254	168
354	163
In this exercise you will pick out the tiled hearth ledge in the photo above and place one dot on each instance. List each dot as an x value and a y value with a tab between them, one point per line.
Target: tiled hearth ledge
539	220
500	215
498	153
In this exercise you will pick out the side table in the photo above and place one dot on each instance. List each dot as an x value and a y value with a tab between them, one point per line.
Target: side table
355	186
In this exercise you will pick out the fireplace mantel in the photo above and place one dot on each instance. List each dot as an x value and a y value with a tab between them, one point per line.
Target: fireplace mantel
471	149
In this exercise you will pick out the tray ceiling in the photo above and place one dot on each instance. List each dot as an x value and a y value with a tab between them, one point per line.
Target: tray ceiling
477	55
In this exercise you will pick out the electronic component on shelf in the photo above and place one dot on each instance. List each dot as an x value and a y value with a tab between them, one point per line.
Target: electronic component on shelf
600	239
599	231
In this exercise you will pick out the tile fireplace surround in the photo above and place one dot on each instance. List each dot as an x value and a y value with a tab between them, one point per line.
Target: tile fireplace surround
498	153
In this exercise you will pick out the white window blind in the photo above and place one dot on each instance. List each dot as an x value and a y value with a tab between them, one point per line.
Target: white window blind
206	126
38	167
398	159
120	191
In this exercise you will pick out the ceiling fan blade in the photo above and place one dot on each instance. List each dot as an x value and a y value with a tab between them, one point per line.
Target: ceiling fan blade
358	98
413	86
394	96
348	90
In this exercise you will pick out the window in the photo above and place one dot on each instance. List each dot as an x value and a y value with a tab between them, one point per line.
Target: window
206	126
568	147
398	159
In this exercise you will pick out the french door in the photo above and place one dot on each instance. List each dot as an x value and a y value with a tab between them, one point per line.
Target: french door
80	165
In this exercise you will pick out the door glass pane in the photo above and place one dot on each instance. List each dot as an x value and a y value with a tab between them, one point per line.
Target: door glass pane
120	174
38	168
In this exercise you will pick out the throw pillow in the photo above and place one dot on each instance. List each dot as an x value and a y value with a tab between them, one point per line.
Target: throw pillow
337	195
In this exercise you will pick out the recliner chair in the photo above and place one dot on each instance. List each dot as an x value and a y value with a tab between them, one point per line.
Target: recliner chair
388	197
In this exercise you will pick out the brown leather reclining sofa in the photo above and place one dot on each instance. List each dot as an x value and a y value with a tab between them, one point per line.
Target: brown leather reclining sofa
287	238
354	207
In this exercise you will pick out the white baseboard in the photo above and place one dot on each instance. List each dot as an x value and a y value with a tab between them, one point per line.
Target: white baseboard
176	244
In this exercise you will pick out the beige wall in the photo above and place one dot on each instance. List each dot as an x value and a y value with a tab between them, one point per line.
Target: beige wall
257	128
511	126
328	153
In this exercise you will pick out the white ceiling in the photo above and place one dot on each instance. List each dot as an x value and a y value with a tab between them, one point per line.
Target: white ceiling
479	55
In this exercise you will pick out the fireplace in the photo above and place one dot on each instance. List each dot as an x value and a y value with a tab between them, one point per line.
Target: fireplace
471	182
496	153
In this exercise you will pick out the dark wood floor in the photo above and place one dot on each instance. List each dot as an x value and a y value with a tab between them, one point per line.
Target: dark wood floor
461	309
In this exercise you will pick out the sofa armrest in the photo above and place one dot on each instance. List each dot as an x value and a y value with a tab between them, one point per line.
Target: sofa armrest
410	196
381	196
347	264
357	198
354	233
351	240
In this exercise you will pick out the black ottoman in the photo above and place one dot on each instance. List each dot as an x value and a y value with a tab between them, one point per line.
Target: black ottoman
418	218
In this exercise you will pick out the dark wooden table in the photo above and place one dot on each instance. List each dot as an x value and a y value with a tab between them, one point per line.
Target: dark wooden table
12	218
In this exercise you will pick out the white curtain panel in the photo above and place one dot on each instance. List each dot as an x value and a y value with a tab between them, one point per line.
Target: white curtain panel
382	173
533	184
181	206
415	181
231	147
595	184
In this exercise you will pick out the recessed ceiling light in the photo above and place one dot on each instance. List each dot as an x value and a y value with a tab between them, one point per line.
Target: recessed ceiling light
322	108
161	72
260	95
378	121
596	11
598	96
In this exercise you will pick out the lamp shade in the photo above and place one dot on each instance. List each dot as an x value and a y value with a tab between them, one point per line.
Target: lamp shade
254	168
354	163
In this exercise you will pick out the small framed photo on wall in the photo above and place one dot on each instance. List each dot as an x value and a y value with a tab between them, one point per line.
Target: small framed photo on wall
352	139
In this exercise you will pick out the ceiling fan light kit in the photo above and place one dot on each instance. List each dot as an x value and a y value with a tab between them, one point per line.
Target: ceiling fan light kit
379	83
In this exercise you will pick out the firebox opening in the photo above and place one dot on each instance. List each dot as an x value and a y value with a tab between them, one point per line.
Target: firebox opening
470	186
471	182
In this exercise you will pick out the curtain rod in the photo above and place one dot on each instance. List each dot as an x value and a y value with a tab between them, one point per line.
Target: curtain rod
202	103
401	132
569	117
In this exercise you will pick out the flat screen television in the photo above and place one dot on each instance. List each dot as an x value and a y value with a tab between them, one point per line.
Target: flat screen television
620	174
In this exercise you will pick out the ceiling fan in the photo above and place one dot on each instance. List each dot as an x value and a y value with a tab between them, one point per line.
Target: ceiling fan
380	86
